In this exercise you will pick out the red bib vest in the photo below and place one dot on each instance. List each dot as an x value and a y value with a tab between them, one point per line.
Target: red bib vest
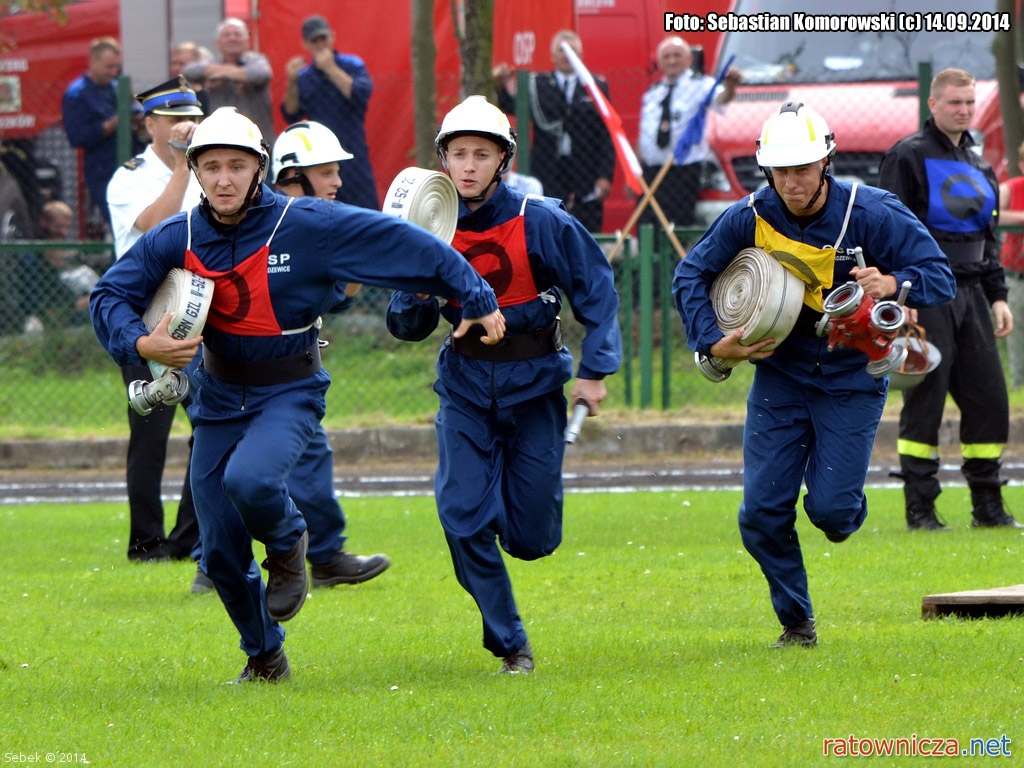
241	296
500	257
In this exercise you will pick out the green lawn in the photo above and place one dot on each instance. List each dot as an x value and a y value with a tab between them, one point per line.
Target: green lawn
66	387
650	625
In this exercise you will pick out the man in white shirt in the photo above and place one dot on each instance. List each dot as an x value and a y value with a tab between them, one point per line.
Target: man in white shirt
142	193
158	183
667	108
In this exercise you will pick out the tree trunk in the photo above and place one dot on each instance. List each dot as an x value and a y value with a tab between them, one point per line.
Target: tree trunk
424	55
475	45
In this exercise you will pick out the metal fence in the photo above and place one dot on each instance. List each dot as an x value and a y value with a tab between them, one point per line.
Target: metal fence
55	378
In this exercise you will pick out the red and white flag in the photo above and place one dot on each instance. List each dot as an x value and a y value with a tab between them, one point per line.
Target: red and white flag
623	149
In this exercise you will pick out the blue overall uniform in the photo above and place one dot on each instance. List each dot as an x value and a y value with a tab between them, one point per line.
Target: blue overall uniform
274	274
811	414
500	425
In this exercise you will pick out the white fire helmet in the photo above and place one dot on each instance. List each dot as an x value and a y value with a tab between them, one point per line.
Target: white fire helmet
304	144
795	135
477	117
227	127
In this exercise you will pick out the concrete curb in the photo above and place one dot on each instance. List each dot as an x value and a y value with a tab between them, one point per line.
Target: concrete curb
599	441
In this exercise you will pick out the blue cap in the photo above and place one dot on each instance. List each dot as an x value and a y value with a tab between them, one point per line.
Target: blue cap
174	97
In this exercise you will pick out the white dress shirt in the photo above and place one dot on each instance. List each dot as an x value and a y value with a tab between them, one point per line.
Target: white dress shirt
131	191
687	96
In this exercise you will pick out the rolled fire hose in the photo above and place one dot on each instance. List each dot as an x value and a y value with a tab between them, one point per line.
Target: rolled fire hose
187	297
427	198
756	293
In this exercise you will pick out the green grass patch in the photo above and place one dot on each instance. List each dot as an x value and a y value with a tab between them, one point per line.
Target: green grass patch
62	385
651	629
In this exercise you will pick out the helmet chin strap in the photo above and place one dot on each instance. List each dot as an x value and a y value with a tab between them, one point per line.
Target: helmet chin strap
302	180
821	187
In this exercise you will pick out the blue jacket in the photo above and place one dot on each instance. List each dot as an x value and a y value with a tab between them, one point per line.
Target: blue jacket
85	106
892	239
319	245
320	100
564	258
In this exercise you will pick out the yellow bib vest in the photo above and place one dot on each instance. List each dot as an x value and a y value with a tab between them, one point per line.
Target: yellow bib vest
814	266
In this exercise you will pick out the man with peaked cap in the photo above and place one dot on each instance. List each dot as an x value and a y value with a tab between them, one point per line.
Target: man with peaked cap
143	192
171	112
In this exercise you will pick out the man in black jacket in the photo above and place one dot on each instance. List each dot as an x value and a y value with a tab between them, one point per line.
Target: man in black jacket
572	153
940	176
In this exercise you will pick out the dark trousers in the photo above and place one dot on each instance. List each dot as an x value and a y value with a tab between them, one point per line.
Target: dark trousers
240	468
577	198
147	454
311	486
972	374
811	430
677	194
499	482
590	214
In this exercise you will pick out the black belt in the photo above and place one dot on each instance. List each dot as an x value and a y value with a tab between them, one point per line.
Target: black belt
263	373
964	253
521	346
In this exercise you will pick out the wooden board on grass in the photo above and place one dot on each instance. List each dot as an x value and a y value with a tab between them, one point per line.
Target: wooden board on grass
973	603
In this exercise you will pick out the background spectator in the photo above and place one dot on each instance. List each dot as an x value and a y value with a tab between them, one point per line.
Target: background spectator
666	110
236	76
183	54
143	192
90	117
523	183
1011	211
334	89
953	191
572	153
56	281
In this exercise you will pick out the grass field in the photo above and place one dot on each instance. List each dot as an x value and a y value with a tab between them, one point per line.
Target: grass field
651	628
64	386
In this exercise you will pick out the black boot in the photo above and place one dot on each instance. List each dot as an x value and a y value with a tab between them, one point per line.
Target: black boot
989	510
921	514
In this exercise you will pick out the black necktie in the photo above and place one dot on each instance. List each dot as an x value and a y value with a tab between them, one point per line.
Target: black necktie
665	126
565	90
